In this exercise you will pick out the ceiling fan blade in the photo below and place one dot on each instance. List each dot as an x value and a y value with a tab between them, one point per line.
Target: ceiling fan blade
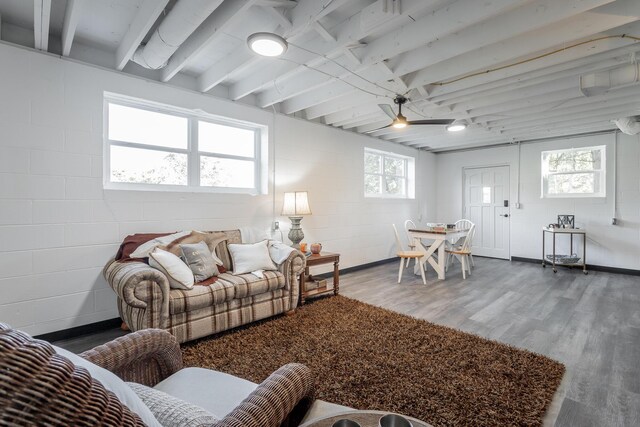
373	130
388	110
432	122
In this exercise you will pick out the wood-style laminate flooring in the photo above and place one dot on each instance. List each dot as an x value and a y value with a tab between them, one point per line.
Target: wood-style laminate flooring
590	323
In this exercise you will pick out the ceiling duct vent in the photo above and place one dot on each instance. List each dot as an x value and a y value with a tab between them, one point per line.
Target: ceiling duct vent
598	83
174	29
629	125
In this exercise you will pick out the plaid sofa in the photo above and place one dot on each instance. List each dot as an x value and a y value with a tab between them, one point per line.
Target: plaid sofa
145	299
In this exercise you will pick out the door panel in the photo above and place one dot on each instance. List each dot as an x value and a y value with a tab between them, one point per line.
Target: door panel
485	190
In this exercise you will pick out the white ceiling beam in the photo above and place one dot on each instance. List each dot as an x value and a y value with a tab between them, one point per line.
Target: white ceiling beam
279	16
557	34
225	16
346	33
576	105
524	82
552	66
71	18
147	14
351	114
532	101
494	98
222	69
432	25
347	100
362	120
598	113
532	16
277	3
41	21
446	20
324	33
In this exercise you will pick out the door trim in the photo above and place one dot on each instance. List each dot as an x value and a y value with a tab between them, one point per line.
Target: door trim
492	165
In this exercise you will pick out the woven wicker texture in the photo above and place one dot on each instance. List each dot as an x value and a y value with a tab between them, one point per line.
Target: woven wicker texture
40	387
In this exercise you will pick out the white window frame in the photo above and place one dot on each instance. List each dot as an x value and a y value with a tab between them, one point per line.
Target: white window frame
599	174
192	151
409	174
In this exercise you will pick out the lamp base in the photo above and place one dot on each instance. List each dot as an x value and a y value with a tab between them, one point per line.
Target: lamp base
295	234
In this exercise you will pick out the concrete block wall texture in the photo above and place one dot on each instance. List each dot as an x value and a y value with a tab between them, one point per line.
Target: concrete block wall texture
58	226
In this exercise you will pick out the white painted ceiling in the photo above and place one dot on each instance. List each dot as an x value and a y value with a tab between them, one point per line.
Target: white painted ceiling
507	67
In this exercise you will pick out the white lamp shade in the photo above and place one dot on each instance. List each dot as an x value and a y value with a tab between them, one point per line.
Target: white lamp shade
296	203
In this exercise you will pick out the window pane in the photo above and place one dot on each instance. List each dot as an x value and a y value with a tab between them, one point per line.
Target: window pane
580	183
136	165
147	127
393	166
217	172
372	163
372	184
394	185
229	140
577	160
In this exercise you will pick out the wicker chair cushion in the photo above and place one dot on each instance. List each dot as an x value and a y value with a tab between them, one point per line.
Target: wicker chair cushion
171	411
111	382
217	392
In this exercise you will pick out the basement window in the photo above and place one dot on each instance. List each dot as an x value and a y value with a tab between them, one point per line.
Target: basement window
388	175
576	172
157	147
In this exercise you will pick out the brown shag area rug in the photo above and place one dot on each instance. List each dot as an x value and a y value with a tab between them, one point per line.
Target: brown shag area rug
371	358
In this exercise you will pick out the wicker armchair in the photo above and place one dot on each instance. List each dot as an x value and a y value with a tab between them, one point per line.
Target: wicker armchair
38	386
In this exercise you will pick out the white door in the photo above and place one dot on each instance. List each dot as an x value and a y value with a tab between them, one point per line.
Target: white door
486	204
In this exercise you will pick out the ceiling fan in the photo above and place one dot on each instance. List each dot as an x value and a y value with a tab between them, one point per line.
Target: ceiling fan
400	121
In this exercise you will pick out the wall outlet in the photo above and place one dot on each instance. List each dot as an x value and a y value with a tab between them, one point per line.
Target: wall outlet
276	225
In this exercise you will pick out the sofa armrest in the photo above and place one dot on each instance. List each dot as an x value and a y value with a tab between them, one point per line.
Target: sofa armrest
124	278
274	400
291	268
145	357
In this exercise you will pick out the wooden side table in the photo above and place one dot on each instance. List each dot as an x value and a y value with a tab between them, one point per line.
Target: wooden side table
305	277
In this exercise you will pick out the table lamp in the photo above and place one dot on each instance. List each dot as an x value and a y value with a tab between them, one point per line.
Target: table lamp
295	205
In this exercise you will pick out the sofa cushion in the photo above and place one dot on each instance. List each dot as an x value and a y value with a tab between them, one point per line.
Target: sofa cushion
179	274
114	384
198	297
247	285
171	411
214	391
200	260
251	257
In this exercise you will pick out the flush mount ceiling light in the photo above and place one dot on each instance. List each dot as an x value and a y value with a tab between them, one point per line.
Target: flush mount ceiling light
267	44
456	127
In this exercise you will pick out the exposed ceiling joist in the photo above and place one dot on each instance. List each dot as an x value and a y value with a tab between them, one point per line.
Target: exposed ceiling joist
223	69
147	14
279	17
41	22
71	19
277	3
211	28
556	34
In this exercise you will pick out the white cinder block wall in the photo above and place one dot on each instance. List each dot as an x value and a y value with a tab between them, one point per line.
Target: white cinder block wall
58	227
608	245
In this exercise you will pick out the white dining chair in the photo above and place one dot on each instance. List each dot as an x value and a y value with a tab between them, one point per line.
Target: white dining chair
463	253
405	255
409	224
464	224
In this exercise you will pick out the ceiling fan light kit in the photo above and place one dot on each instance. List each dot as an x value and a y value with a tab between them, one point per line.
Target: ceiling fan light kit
401	122
267	44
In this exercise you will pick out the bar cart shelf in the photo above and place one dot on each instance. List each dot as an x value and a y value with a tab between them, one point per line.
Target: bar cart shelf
570	260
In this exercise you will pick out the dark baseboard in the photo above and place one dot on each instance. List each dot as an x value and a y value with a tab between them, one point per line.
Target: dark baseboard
602	268
78	331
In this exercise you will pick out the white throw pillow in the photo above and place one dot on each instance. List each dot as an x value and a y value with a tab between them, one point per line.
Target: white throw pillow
111	382
179	274
248	258
145	249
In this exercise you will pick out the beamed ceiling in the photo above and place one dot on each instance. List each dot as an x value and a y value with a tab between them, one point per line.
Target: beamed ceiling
509	68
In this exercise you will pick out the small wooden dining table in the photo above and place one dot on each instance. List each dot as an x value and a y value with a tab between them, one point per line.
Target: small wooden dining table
439	237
